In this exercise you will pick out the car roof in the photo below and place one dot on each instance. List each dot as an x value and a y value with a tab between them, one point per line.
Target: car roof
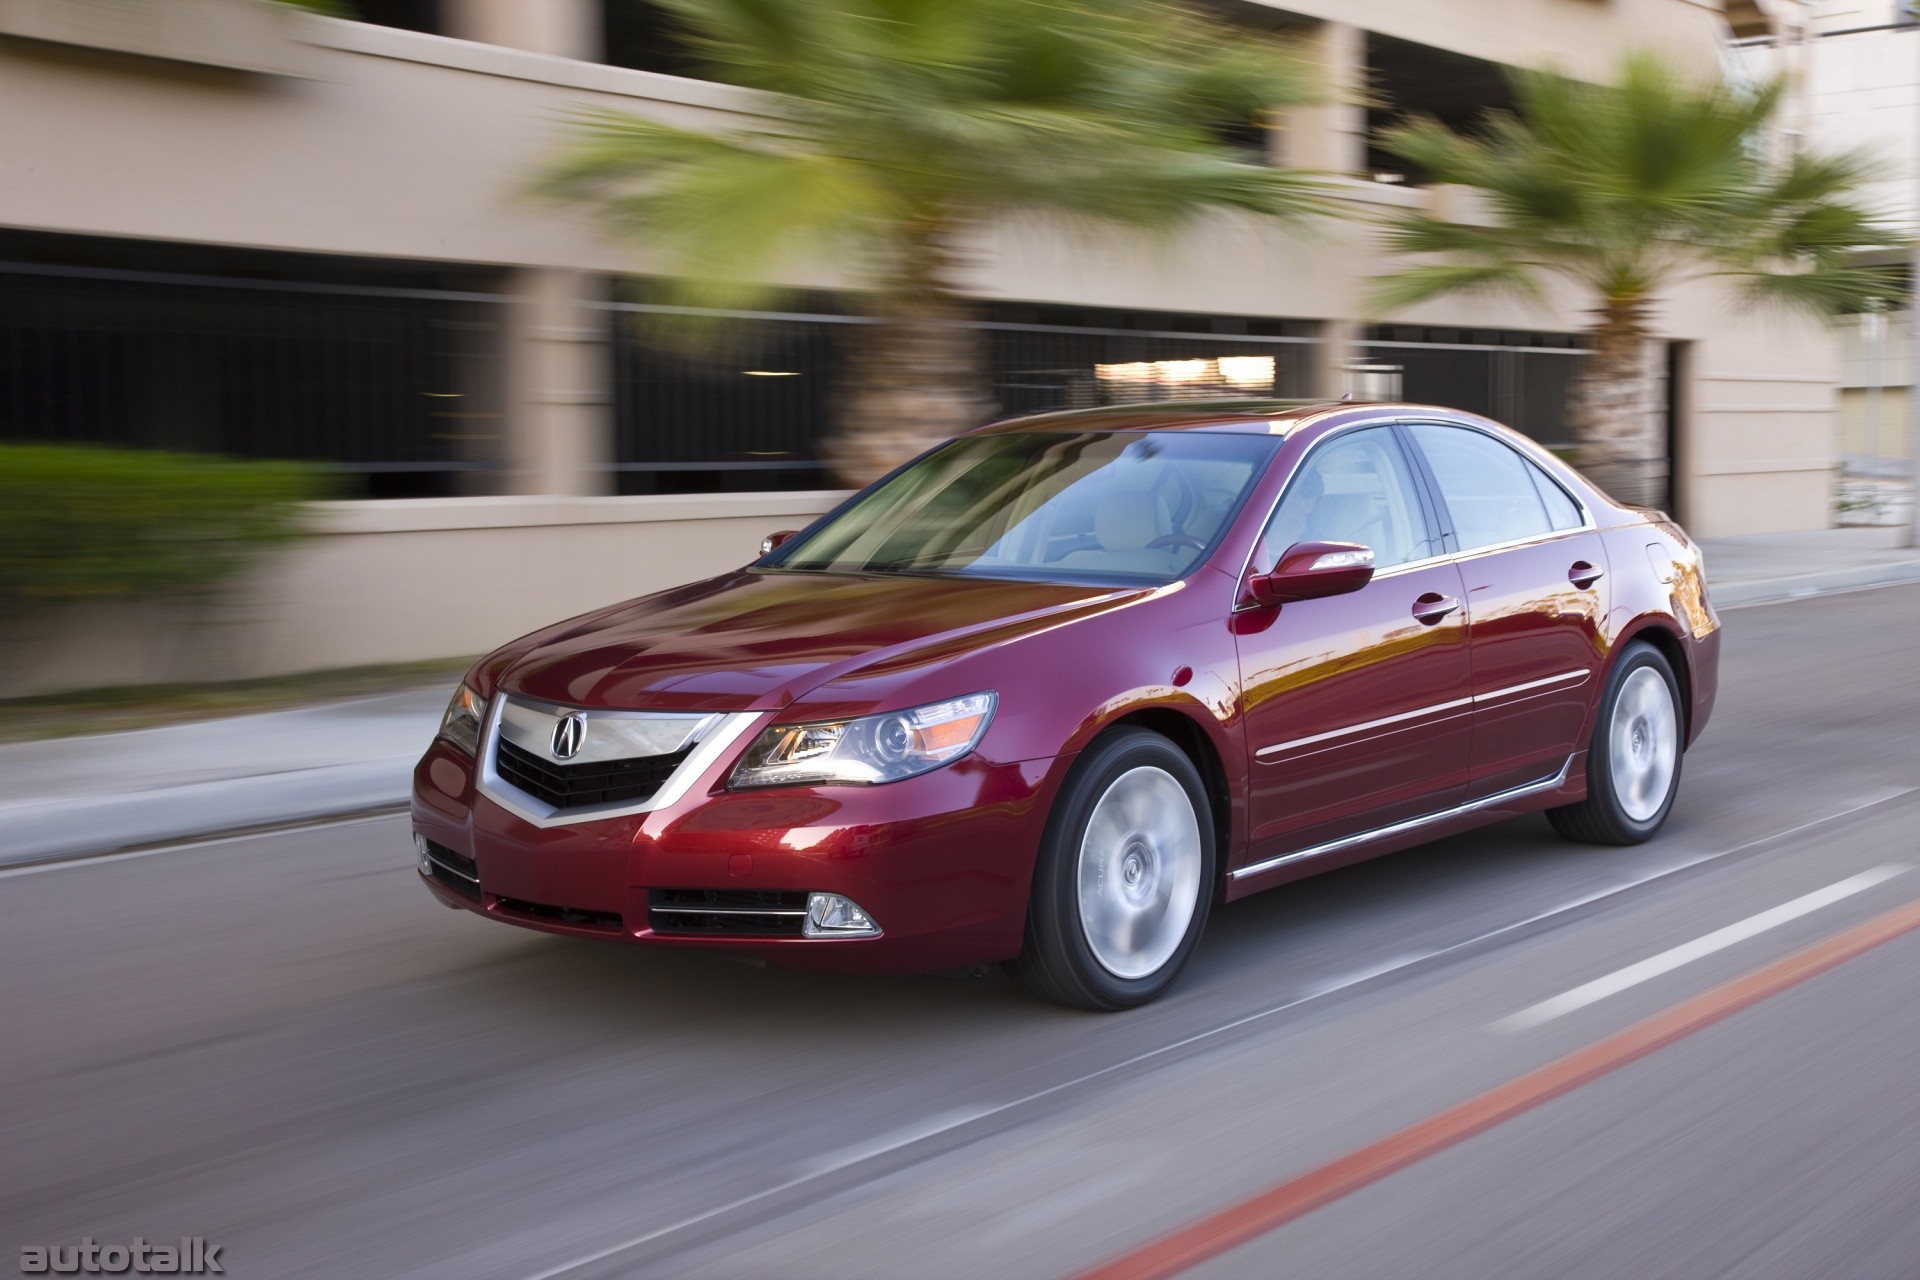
1233	417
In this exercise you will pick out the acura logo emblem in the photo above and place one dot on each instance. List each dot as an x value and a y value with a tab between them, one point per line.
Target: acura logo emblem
568	735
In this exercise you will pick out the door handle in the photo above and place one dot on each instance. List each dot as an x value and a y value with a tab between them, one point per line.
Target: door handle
1584	575
1433	606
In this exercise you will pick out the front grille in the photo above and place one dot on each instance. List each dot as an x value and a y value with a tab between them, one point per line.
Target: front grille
761	913
576	786
579	917
455	871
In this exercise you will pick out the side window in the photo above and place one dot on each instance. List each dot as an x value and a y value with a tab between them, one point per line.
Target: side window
1355	488
1561	509
1489	489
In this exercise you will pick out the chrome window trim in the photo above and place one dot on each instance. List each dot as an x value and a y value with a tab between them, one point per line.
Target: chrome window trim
1580	503
1587	522
1287	488
729	728
1408	825
1456	557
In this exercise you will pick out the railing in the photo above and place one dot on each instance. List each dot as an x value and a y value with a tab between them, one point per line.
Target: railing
1523	384
398	388
401	389
748	404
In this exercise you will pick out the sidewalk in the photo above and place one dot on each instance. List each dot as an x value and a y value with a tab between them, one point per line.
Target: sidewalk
110	791
93	794
1784	566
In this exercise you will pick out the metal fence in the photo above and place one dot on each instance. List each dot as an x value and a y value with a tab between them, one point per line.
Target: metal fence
400	389
1520	383
746	403
397	388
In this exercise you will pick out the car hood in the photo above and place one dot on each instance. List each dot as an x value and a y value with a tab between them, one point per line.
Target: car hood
758	641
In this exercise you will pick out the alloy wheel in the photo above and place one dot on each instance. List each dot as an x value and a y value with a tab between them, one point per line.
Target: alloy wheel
1643	744
1139	872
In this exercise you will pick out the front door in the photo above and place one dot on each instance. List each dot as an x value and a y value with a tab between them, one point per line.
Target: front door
1536	587
1357	707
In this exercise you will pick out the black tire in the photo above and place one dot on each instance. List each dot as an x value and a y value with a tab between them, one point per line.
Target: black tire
1603	818
1058	963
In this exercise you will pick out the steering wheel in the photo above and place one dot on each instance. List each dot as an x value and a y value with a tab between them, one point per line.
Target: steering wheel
1166	541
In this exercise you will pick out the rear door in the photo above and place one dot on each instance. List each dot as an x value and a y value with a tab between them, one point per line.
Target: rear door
1357	707
1534	572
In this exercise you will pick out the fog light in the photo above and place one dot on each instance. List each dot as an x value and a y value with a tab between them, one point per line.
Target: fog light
831	916
426	862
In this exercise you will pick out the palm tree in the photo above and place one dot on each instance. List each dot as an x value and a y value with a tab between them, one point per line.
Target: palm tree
1625	190
900	129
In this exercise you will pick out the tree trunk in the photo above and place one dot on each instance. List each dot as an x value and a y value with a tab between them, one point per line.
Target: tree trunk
918	375
1617	410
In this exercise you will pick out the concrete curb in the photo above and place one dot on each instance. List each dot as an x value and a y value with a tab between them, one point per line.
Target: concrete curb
41	831
1735	595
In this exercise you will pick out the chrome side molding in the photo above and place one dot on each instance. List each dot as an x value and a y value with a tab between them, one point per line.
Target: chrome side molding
1493	801
1438	707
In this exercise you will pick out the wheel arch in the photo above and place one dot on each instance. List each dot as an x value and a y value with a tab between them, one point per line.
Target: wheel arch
1660	634
1197	745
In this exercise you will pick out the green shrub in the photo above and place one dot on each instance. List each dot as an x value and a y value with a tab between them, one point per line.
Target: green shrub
82	523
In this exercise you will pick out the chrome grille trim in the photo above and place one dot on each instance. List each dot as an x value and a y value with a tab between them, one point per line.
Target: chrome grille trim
716	734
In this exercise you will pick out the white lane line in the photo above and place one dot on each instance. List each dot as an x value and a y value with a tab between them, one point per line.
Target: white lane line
951	1121
1687	952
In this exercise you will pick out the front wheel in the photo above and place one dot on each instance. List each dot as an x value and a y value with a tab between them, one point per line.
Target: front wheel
1125	877
1633	762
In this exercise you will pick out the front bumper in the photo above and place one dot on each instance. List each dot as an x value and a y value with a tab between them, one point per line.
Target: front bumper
942	862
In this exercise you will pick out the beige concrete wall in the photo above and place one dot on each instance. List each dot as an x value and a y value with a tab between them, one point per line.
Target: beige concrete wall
1867	433
405	581
1580	36
403	145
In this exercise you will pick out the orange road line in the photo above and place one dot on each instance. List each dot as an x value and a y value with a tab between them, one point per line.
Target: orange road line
1216	1233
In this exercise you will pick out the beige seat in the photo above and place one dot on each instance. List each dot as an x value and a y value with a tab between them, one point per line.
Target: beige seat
1124	522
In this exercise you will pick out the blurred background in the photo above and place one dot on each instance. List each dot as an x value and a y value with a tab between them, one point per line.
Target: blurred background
230	228
340	343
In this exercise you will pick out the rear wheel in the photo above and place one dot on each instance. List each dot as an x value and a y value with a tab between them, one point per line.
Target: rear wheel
1125	877
1633	762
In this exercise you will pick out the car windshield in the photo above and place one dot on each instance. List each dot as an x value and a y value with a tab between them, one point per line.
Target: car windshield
1097	506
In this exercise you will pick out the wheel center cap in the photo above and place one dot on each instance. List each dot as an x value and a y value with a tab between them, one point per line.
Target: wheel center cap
1136	868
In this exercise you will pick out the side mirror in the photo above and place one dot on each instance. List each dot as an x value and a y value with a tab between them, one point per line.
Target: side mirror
774	541
1311	570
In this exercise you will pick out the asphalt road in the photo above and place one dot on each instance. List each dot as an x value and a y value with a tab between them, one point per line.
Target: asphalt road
279	1043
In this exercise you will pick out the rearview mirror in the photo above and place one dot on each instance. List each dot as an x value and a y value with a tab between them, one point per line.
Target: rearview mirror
1312	570
774	541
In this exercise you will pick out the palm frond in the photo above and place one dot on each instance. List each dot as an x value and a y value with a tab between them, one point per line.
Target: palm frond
905	114
730	213
1827	290
1624	186
1432	280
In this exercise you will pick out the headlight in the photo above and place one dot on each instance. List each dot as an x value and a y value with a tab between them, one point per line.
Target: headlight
883	748
461	724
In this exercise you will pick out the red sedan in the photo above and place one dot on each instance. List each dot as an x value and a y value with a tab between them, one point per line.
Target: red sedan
1047	693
